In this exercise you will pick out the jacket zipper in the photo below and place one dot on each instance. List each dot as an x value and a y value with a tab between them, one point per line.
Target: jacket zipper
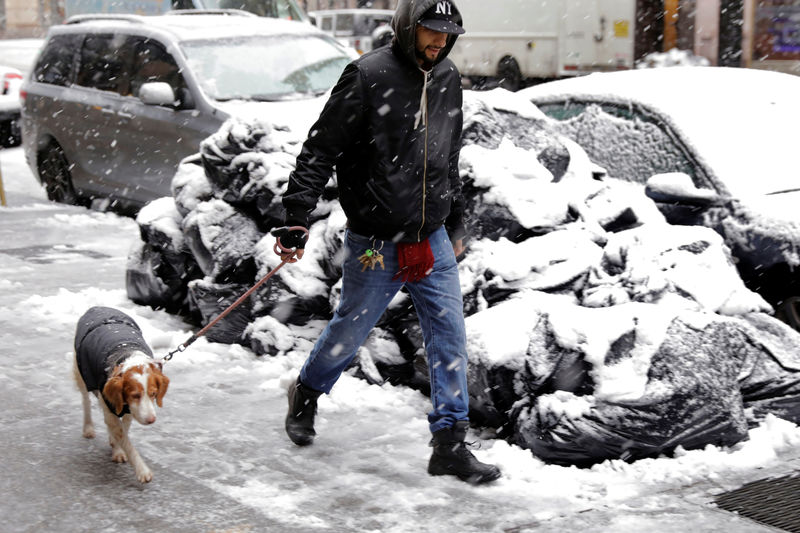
424	168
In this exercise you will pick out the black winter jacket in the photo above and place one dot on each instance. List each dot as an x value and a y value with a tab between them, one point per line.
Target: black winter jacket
396	158
104	338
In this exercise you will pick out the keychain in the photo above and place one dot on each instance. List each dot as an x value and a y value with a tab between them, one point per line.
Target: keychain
372	257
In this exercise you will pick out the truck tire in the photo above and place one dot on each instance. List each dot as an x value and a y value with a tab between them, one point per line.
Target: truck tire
509	74
54	172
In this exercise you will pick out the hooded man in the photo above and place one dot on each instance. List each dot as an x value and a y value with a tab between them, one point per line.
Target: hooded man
392	130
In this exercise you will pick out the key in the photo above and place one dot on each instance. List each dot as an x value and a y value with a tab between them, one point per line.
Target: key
370	258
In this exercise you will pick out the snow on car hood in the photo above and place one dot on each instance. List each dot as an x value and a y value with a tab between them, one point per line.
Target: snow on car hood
297	116
740	121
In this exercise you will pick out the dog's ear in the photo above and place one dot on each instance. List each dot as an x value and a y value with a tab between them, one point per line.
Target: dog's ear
162	382
113	393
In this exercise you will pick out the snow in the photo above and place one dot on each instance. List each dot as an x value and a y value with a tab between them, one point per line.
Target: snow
366	471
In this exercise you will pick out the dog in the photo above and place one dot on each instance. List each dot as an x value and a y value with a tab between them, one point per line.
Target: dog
113	361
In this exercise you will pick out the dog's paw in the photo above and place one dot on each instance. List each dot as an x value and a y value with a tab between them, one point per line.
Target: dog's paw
118	455
144	475
88	431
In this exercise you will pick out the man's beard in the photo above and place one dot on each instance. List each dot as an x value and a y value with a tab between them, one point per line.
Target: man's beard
427	64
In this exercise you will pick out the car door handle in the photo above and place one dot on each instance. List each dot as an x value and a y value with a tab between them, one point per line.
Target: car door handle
123	114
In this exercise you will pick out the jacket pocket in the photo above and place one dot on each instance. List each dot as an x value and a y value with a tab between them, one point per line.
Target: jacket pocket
379	197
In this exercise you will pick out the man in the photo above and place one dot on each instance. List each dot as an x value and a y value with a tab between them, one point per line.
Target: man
392	130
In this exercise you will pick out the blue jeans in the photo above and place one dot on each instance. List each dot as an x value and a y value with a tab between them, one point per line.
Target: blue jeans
365	296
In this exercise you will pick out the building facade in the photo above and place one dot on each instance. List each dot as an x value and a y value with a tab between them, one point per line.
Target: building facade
27	18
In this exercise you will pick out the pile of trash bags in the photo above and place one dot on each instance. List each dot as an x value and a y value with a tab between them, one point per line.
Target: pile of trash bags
595	329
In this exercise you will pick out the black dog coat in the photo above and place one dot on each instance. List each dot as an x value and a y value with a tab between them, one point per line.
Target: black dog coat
103	339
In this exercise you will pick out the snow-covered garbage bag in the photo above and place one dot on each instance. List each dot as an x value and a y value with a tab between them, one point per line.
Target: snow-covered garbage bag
691	399
222	240
500	123
771	384
597	296
207	300
160	265
657	345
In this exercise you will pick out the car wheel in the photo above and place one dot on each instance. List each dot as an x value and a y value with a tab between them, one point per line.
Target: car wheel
509	73
9	133
54	172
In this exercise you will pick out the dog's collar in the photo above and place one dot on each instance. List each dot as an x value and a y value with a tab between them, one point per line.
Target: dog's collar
125	409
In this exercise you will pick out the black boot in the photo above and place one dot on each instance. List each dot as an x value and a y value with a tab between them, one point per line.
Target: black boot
300	418
451	457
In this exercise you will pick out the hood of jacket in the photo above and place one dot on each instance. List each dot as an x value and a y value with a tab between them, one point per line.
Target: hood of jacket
404	24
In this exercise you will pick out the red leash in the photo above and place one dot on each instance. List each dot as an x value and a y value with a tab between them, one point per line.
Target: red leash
280	250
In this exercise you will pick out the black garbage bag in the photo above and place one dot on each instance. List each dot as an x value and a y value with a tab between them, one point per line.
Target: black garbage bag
143	284
692	400
208	300
770	381
190	186
487	127
630	433
222	241
276	299
234	163
160	266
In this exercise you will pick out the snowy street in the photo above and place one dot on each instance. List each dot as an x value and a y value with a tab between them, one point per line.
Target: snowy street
220	458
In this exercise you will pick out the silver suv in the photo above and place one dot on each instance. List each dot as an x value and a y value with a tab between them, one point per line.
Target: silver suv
115	102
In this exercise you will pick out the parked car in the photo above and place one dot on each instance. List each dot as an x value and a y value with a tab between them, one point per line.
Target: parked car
115	102
714	146
353	27
10	80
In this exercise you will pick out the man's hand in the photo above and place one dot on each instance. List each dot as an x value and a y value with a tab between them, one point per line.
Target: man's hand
458	247
290	241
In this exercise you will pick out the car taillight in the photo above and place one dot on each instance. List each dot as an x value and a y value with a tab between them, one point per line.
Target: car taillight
22	96
7	80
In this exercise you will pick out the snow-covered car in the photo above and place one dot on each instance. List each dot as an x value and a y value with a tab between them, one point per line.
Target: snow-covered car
10	80
115	102
714	146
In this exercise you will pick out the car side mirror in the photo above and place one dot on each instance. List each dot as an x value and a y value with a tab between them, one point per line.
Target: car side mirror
678	188
157	93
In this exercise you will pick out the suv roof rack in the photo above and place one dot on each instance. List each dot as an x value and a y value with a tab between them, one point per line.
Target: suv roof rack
77	19
237	12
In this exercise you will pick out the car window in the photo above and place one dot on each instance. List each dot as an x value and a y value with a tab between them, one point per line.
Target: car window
152	63
366	23
326	23
284	9
288	66
105	61
345	22
56	61
628	142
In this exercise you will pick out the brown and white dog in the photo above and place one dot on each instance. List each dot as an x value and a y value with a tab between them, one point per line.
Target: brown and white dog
113	361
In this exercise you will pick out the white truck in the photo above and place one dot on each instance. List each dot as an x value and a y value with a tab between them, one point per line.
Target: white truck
513	40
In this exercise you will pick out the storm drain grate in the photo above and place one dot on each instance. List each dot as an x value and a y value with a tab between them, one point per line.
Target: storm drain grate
774	502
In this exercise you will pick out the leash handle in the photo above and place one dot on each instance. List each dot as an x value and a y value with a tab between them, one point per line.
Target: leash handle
277	232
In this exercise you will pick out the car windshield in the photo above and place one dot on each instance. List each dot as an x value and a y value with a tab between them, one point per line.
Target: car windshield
284	9
272	68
